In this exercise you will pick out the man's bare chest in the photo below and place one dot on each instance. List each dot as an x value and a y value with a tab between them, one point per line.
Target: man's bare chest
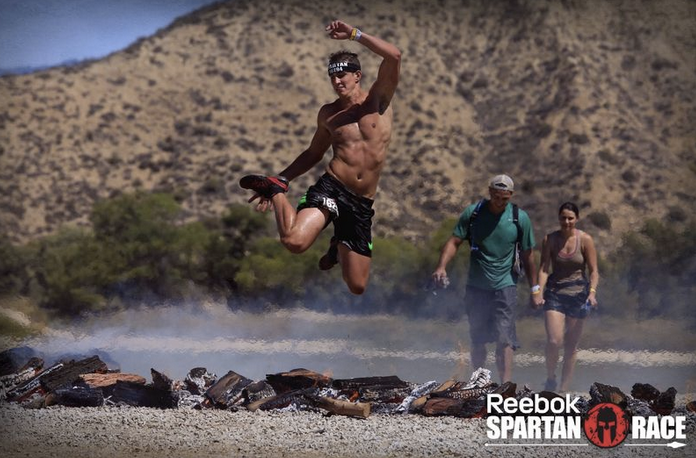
359	124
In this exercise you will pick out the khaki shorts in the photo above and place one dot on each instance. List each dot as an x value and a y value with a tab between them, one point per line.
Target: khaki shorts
492	315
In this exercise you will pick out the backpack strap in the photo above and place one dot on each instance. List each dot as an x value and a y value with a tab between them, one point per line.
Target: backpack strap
516	220
472	218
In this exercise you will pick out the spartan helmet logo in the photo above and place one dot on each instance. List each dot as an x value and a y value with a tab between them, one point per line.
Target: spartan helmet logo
606	423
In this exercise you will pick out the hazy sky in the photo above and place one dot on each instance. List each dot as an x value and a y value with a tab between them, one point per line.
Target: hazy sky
47	32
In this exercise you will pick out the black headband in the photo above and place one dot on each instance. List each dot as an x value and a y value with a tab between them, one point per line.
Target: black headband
338	67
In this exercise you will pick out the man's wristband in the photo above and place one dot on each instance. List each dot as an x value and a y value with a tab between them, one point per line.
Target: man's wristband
355	34
536	289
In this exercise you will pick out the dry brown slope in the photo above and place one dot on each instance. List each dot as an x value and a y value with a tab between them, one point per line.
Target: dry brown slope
590	101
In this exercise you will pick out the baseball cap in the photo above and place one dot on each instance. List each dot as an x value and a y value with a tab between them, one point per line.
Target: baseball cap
502	182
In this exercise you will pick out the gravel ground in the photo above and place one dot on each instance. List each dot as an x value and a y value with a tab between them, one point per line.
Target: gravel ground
144	432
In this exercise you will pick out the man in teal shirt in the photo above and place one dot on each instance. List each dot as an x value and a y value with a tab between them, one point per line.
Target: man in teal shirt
491	293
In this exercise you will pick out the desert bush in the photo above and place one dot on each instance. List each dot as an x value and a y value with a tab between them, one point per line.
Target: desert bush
13	267
600	219
658	265
149	247
72	269
230	243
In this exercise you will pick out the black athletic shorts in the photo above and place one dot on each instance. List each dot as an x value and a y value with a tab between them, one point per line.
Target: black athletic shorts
350	213
574	306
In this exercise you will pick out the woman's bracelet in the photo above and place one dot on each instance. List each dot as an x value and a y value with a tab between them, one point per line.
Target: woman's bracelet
592	290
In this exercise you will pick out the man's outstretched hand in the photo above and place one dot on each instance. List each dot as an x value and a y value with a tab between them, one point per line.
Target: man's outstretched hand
339	30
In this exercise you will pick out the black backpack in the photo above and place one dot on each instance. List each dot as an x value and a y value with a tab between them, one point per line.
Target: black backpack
517	270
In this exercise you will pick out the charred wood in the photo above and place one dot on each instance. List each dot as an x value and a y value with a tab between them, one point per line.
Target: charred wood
387	382
31	386
386	396
77	396
228	391
645	392
282	400
107	382
463	408
419	403
297	379
664	404
606	393
10	382
134	394
382	390
455	393
161	381
70	373
198	380
421	391
256	391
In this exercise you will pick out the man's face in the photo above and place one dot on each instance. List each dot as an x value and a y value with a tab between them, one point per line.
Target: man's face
499	197
344	82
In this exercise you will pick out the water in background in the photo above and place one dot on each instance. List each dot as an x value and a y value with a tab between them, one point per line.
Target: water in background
174	340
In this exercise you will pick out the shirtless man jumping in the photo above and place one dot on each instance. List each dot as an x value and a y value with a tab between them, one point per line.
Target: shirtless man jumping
358	127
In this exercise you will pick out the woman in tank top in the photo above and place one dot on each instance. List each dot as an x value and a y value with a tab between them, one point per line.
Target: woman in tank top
568	256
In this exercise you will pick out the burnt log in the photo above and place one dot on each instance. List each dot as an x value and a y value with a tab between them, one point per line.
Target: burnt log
198	380
297	379
419	403
77	396
600	393
282	400
664	404
421	391
70	373
384	390
644	392
256	391
10	382
107	382
135	394
456	393
161	381
338	407
463	408
31	386
227	392
390	381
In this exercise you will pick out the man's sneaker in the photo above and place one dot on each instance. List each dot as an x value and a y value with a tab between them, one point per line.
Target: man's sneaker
265	186
330	259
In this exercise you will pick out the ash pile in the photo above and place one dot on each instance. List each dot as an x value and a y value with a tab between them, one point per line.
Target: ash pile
88	382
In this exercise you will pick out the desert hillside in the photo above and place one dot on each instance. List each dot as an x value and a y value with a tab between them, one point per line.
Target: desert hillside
591	101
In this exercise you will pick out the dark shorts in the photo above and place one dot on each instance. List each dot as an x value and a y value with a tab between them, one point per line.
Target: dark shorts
574	306
350	213
492	315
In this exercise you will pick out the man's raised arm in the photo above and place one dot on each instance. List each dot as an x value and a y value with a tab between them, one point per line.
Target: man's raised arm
388	76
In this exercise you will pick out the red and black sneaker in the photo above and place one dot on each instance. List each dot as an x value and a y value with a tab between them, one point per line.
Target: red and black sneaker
330	259
265	186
